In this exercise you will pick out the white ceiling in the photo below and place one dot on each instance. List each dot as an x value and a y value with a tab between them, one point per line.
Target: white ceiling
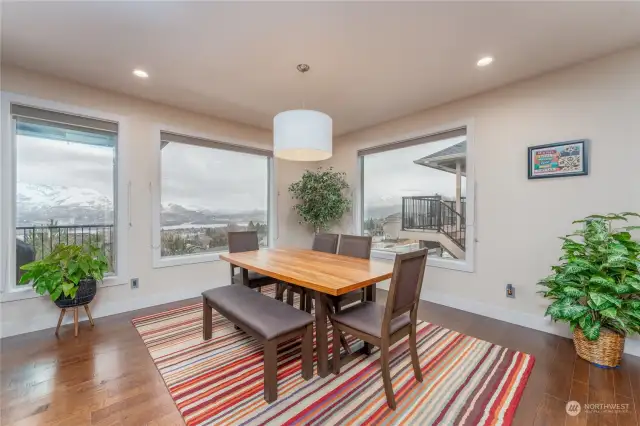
370	62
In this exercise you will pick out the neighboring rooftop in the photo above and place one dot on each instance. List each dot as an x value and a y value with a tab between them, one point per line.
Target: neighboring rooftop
447	158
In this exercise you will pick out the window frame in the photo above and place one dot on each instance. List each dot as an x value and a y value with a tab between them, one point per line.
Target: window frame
155	188
9	290
468	263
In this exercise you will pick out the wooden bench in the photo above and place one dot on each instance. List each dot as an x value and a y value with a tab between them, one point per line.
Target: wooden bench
269	321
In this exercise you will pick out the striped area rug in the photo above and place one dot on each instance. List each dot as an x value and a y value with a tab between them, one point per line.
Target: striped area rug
220	382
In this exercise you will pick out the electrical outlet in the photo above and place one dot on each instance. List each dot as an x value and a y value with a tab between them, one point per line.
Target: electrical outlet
134	283
511	291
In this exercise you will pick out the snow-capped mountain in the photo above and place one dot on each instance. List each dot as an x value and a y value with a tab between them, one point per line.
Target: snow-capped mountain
38	204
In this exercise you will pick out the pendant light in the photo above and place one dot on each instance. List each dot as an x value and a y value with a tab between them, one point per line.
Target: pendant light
302	134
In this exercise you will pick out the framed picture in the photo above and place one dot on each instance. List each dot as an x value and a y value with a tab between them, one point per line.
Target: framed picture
559	159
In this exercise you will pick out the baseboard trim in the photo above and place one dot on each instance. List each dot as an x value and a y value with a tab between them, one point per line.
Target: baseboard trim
535	322
99	309
632	346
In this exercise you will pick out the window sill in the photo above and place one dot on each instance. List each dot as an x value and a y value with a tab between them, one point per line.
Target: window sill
453	264
169	261
28	293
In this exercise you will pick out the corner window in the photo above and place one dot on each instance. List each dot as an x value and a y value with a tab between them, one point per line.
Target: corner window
414	195
207	189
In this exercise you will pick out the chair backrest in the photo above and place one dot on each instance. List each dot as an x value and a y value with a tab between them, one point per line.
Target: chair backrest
327	243
243	241
406	283
355	246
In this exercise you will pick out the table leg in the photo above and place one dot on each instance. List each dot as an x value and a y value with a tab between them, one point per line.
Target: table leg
370	296
370	293
322	341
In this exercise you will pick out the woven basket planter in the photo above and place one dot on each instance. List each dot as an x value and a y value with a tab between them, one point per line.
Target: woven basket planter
606	351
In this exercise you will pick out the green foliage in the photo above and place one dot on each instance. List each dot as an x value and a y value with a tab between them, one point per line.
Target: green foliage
598	283
61	271
321	197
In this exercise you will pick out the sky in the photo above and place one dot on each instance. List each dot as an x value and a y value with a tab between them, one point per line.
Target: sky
391	175
65	164
224	181
203	178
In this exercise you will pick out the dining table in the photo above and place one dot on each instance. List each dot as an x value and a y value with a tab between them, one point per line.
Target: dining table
326	274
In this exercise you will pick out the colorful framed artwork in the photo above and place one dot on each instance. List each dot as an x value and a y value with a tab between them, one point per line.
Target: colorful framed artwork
559	159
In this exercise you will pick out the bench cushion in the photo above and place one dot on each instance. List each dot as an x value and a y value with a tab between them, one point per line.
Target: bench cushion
367	317
267	317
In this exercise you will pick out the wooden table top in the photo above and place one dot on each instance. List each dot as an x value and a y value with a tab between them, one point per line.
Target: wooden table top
325	272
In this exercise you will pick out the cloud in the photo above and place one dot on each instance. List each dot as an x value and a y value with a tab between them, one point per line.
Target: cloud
391	175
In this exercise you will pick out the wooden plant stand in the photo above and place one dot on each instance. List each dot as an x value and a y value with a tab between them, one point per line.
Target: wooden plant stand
75	317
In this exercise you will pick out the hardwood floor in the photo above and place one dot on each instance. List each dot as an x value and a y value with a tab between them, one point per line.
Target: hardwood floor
105	376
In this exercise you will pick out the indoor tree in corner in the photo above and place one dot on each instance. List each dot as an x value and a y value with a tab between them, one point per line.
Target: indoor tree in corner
596	289
321	197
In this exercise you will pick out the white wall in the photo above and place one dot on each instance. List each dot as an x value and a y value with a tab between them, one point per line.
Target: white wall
518	220
156	285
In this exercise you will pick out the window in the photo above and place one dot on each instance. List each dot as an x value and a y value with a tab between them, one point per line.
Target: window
64	186
207	189
414	195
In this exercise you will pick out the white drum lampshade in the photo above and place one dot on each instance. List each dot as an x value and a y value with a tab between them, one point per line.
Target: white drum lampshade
302	135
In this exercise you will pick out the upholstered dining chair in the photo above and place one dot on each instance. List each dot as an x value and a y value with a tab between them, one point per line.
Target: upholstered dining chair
353	246
383	326
240	241
327	243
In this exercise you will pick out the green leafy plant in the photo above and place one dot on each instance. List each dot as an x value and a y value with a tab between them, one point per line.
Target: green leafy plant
598	283
321	196
61	271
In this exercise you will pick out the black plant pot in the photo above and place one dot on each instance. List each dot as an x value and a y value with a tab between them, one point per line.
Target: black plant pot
85	294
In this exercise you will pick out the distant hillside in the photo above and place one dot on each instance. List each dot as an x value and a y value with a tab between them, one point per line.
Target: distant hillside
381	212
39	204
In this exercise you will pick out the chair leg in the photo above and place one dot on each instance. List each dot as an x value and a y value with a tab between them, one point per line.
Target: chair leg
279	291
307	353
62	312
309	303
343	340
75	321
303	300
386	373
289	297
413	347
207	326
337	337
270	371
86	308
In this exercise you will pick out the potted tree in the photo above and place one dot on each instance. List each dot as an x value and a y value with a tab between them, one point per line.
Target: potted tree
596	288
69	275
321	197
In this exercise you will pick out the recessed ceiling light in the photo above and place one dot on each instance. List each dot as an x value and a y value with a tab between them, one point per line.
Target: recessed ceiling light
483	62
140	73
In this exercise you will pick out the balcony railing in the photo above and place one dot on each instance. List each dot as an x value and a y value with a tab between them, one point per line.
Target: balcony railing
435	214
41	240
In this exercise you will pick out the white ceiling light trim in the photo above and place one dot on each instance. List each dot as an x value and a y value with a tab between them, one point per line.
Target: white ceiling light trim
302	134
483	62
140	73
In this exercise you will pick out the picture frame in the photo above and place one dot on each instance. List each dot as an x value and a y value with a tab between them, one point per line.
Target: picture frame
559	159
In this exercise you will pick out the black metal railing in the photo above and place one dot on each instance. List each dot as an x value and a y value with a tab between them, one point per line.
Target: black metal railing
434	213
43	239
453	225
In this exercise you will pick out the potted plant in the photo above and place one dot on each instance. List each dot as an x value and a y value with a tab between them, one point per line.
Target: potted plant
321	197
68	274
596	288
